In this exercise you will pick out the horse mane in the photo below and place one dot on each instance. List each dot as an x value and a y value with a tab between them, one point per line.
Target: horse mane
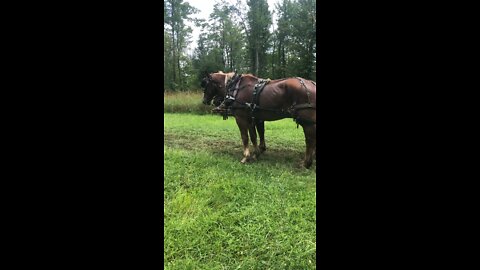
228	75
251	76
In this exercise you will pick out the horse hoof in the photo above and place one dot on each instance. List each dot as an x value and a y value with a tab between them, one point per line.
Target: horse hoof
262	149
243	161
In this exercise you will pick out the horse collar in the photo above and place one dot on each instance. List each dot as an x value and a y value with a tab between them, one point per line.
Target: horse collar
237	79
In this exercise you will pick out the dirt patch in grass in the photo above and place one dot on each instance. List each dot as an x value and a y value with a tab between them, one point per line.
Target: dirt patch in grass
232	148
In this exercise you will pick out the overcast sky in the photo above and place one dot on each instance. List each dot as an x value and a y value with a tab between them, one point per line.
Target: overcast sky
206	7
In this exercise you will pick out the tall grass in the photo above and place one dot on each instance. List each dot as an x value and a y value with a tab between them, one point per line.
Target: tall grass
185	102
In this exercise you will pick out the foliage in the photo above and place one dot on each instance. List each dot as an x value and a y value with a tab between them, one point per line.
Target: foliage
221	43
176	35
244	36
259	21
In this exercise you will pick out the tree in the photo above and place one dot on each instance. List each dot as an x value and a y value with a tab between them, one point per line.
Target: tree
238	37
221	44
176	12
284	34
259	20
304	33
296	38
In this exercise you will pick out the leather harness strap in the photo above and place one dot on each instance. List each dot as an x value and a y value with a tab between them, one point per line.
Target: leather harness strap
306	89
255	106
237	79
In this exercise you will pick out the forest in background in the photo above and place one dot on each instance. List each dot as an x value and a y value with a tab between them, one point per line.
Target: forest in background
239	36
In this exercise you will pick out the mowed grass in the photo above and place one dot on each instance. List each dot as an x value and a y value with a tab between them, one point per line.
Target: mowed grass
221	214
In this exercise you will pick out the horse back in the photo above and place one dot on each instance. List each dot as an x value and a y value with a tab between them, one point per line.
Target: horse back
284	93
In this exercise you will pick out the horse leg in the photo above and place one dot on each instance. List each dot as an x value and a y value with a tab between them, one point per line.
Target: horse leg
261	133
253	138
243	126
311	142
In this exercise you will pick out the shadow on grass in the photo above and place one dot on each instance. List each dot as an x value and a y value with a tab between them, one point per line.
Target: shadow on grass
233	149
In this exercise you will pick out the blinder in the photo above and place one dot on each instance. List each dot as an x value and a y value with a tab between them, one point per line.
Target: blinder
203	84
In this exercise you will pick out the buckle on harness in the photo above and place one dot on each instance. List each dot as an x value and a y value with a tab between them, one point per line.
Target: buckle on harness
252	106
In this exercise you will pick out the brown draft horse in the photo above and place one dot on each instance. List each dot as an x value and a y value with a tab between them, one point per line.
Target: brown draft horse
282	98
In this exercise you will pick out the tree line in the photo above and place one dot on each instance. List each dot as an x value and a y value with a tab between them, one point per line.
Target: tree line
239	36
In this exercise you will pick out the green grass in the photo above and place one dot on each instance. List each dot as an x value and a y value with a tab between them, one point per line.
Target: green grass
185	102
221	214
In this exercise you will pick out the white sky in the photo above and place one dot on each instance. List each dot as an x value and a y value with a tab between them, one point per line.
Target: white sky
206	7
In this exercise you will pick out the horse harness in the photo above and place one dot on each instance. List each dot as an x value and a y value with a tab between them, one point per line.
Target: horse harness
254	106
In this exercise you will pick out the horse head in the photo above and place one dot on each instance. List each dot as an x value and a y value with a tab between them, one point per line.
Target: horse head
214	87
210	89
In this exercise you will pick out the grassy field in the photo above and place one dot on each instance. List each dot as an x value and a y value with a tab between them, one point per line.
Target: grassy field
221	214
